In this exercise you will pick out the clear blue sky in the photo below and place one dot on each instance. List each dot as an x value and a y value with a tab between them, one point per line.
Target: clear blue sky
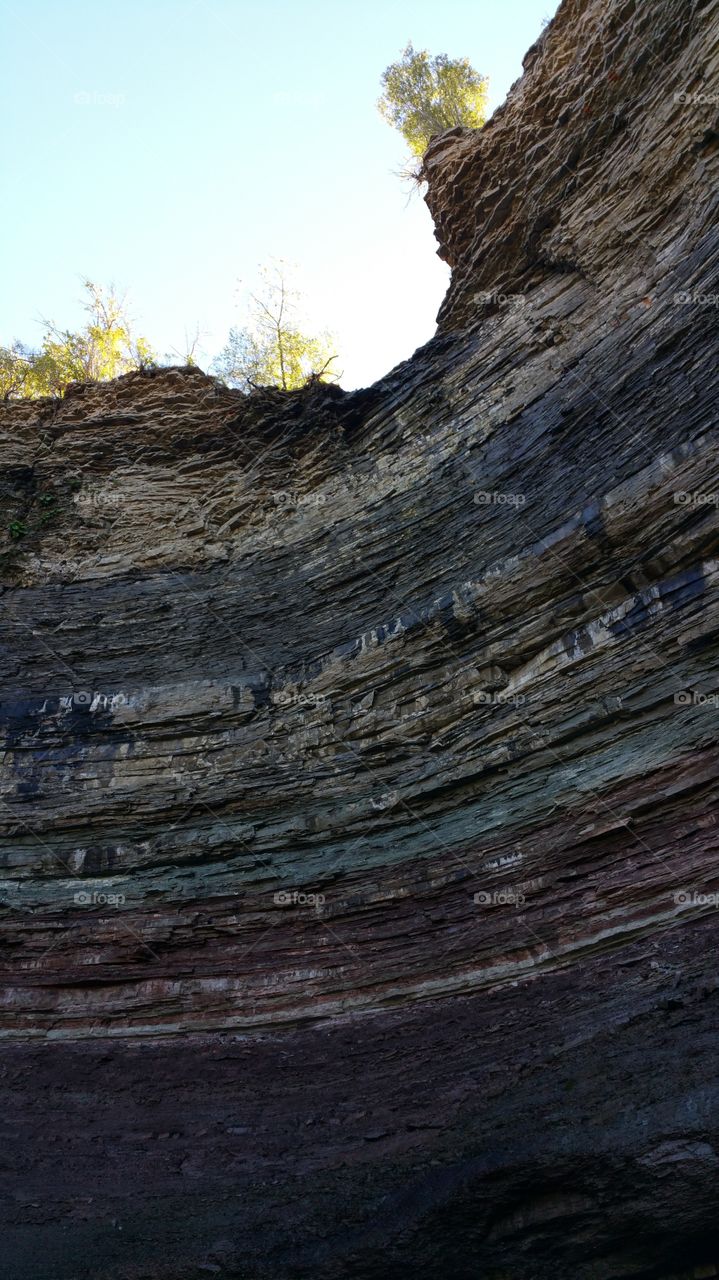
171	146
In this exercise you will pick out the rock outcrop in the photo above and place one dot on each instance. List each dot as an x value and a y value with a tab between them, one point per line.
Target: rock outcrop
358	813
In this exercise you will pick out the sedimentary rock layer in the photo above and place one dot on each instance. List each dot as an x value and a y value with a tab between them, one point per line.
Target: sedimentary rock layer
360	749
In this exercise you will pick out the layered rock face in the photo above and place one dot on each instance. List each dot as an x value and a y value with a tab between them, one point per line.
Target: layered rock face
359	777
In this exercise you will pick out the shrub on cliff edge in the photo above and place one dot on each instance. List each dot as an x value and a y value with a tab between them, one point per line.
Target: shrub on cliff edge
423	96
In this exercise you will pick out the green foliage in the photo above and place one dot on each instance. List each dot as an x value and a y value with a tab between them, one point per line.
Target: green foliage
423	96
48	502
272	350
15	370
105	348
37	513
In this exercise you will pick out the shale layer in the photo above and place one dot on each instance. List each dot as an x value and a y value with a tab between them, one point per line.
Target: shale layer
359	782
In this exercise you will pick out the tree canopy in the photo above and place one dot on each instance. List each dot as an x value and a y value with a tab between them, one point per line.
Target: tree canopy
104	348
423	96
273	349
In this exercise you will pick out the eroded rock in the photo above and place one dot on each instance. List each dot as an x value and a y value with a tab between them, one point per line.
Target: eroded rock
359	777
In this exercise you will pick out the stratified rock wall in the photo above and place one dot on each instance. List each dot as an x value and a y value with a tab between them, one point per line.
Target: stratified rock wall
598	165
360	756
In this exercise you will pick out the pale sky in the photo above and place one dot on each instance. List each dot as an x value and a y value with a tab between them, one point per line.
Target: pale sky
172	146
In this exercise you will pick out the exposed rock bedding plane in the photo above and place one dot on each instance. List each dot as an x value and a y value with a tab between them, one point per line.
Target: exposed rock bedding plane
358	802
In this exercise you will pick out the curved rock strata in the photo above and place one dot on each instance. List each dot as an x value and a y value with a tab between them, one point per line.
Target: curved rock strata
359	778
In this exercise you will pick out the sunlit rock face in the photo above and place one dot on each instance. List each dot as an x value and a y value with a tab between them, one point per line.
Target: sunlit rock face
360	750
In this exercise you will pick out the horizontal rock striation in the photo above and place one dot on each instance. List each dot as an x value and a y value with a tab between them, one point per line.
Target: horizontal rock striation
358	801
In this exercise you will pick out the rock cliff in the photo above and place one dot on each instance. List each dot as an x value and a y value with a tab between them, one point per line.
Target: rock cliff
358	808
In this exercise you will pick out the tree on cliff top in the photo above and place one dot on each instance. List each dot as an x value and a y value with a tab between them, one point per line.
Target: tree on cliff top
272	349
423	96
103	349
